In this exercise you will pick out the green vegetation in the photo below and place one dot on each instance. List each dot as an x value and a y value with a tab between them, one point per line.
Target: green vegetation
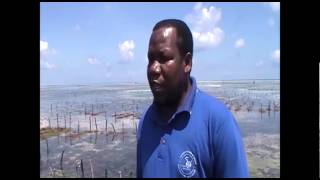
46	133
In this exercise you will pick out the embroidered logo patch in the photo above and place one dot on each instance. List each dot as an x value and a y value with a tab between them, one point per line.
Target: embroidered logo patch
187	164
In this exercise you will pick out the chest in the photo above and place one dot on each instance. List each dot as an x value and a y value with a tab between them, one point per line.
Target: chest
181	150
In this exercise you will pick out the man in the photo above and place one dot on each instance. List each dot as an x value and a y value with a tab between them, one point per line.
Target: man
185	132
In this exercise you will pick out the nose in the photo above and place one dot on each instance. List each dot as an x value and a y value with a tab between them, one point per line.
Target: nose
155	68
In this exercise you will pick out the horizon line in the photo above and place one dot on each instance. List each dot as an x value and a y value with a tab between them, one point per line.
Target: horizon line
145	82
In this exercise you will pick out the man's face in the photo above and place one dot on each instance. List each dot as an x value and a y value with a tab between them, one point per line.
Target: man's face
166	68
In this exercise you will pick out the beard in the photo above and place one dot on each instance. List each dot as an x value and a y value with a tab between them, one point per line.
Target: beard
169	97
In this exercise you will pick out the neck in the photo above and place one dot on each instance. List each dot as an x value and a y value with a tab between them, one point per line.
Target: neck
168	110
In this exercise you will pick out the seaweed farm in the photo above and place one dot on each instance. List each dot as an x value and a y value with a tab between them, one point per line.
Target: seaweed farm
90	130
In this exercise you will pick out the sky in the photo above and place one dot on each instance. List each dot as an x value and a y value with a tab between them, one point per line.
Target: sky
107	42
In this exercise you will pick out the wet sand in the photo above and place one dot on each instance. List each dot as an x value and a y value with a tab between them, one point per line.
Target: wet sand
117	152
112	152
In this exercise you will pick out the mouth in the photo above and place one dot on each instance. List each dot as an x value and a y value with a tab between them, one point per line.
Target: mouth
156	87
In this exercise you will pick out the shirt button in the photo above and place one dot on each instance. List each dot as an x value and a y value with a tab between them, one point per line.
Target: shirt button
163	141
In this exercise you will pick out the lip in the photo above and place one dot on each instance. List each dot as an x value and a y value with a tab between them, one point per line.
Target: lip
156	86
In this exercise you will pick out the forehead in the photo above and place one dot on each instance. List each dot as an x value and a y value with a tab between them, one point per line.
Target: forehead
165	36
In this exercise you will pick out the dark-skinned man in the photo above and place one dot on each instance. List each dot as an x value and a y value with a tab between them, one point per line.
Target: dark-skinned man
185	132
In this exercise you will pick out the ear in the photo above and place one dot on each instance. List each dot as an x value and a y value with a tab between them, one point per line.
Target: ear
187	63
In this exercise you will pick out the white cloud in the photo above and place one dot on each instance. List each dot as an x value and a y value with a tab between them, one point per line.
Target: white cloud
45	50
46	65
204	26
198	6
260	63
126	50
239	43
275	6
271	22
93	61
276	55
43	46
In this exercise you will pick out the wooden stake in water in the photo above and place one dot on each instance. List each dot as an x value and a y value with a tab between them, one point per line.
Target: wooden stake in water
70	120
61	160
132	116
269	108
91	169
106	173
77	170
81	166
70	138
57	121
96	137
106	123
47	149
95	121
114	135
114	130
274	110
65	122
90	122
91	108
261	111
50	109
78	126
136	127
85	112
122	132
122	128
49	122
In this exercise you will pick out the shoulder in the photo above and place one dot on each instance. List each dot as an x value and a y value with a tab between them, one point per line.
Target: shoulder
145	115
218	114
211	104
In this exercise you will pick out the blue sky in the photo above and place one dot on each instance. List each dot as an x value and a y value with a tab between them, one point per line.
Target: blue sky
87	43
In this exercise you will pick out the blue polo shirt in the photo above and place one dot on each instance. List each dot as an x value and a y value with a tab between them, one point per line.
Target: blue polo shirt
202	139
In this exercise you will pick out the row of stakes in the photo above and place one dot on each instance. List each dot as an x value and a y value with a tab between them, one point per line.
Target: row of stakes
249	108
92	116
79	168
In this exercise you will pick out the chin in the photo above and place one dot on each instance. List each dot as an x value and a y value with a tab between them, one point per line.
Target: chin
160	100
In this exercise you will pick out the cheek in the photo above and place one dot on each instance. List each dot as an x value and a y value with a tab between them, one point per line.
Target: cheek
148	71
171	63
170	69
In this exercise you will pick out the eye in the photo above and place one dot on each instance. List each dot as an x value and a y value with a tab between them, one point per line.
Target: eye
164	56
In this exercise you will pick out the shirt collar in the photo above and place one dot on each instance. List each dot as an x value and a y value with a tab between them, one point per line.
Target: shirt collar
186	106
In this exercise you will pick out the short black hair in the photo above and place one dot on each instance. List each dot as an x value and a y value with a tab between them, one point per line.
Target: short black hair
184	35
